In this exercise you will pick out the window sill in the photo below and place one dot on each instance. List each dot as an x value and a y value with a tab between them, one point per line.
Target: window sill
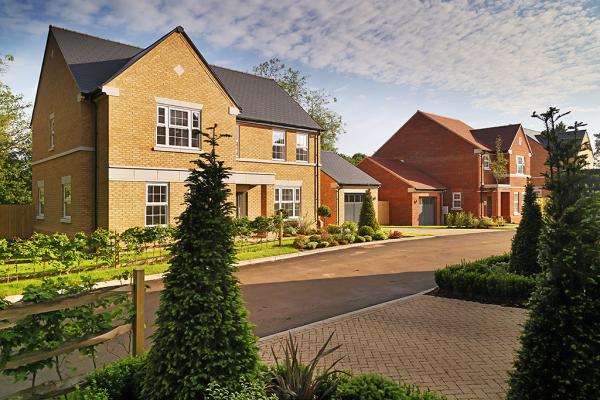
51	148
174	149
456	208
40	217
65	220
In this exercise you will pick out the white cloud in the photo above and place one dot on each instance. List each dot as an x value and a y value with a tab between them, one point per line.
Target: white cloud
510	56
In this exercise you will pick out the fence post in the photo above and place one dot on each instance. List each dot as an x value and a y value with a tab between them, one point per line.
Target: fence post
138	299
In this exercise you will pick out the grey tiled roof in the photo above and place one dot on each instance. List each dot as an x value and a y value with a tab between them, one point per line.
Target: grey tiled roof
263	100
537	136
93	61
344	172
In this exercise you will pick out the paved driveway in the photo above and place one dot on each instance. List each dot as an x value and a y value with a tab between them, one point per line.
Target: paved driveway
284	294
459	348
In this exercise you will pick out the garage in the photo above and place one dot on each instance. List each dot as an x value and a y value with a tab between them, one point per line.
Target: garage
352	205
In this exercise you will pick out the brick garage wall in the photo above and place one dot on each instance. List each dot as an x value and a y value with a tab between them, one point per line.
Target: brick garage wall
329	197
393	190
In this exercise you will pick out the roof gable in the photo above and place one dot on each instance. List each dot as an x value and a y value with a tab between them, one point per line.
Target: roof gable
455	126
94	61
506	133
410	175
344	172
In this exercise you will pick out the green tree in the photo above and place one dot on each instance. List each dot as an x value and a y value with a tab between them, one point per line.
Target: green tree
560	345
355	159
314	101
203	332
15	145
367	213
523	259
499	164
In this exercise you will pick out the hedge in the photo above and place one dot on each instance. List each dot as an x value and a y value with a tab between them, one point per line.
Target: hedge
486	280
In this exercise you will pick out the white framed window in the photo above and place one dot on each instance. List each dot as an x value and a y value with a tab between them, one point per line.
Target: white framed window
520	165
516	203
538	193
278	144
178	127
66	199
486	162
157	203
288	198
457	200
302	147
41	200
52	132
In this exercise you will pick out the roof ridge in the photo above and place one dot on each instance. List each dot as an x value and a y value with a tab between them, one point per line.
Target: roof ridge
494	127
243	72
95	37
443	116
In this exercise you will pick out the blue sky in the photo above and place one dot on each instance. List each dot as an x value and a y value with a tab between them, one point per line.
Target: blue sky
484	62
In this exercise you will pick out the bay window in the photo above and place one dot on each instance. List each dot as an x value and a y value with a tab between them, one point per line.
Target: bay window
288	199
178	127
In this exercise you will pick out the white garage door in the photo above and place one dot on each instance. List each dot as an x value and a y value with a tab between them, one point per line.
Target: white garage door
352	204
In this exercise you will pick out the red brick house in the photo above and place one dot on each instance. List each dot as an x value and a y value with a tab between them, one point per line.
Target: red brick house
343	188
434	165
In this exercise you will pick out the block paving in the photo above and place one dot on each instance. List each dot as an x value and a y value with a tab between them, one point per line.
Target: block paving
459	348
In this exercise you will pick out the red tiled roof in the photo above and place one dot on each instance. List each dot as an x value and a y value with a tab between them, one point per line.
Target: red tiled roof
456	126
412	176
506	133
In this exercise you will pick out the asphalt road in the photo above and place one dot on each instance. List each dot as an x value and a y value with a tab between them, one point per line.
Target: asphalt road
289	293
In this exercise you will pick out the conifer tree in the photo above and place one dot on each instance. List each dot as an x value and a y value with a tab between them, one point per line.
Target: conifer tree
367	213
560	346
203	332
523	259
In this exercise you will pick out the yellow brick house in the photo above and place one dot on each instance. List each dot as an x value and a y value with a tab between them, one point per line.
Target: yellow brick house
115	128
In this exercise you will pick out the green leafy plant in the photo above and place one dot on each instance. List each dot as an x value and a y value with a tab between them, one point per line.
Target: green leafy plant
559	356
294	381
324	211
349	227
524	248
377	387
120	380
487	279
365	231
248	391
311	245
203	334
300	242
380	235
368	217
359	239
333	229
499	163
368	238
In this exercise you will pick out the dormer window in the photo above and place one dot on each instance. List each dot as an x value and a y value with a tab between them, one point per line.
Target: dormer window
178	127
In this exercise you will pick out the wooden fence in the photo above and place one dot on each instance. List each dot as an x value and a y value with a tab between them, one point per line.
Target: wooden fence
16	220
9	316
383	212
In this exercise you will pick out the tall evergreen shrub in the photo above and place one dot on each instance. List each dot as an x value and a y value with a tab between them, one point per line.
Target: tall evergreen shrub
367	213
524	249
203	331
560	346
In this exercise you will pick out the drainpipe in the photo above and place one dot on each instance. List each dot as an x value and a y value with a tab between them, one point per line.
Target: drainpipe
95	169
337	205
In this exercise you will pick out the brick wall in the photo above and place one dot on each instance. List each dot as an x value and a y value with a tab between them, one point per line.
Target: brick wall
329	197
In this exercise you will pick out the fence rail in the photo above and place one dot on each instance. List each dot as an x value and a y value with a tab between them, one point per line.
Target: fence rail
22	310
16	220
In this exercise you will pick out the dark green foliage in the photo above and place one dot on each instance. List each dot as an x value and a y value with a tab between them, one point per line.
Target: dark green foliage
487	280
324	211
359	239
377	387
365	231
120	379
203	331
379	235
367	213
524	249
560	346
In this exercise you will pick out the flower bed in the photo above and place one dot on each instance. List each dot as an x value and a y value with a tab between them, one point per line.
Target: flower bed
486	280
